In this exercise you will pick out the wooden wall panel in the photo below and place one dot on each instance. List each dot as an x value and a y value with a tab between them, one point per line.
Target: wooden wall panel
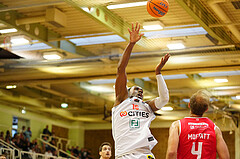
60	131
161	134
230	141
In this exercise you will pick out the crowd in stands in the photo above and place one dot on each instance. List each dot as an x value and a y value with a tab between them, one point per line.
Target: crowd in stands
22	141
80	153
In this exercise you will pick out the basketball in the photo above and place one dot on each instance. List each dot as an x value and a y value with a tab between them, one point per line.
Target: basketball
157	8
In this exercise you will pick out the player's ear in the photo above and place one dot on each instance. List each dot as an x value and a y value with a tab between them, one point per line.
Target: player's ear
188	105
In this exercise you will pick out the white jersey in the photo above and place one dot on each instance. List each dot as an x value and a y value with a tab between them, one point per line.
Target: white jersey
131	120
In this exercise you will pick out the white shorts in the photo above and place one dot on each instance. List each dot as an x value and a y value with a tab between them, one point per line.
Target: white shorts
137	156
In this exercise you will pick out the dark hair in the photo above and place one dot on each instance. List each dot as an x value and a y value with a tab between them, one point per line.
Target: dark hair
103	144
199	103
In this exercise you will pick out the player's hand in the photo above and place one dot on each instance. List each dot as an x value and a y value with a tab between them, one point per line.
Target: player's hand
134	33
162	63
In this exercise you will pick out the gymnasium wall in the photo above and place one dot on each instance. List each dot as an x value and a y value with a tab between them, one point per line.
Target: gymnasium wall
76	134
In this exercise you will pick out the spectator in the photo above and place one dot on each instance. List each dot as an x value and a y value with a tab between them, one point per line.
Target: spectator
22	130
2	135
28	134
89	154
55	153
37	149
52	142
45	146
69	151
33	143
84	153
18	143
76	151
8	135
46	131
48	153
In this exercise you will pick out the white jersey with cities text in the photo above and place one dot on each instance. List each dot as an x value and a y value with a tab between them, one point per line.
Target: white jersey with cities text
131	120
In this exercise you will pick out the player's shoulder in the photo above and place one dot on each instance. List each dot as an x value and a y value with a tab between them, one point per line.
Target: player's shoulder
119	101
175	124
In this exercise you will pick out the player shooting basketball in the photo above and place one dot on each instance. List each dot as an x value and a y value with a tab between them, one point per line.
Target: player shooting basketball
131	116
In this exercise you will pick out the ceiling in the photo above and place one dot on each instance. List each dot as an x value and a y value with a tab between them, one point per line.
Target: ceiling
91	42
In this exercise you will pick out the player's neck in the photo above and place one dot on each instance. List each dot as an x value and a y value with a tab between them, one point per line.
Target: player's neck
194	115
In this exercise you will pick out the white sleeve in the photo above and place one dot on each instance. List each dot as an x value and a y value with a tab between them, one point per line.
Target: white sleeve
162	91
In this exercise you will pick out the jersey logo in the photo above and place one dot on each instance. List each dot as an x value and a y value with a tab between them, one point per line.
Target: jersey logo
150	157
134	123
134	114
123	113
150	139
135	106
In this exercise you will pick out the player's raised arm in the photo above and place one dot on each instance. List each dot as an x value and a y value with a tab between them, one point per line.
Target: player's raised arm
163	98
121	80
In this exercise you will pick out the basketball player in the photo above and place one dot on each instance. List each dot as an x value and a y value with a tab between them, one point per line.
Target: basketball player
131	116
105	150
196	137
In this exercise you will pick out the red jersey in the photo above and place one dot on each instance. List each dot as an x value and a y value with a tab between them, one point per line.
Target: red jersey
197	139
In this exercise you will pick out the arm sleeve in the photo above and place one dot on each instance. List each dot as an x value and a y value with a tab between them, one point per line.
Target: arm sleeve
162	91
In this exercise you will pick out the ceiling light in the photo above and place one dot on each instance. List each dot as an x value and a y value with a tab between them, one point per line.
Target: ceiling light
23	111
223	73
226	87
221	80
97	40
52	55
4	31
2	25
175	45
181	32
126	5
64	105
105	81
186	100
234	98
87	9
146	79
179	76
166	108
11	86
21	39
153	25
182	26
31	47
101	89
